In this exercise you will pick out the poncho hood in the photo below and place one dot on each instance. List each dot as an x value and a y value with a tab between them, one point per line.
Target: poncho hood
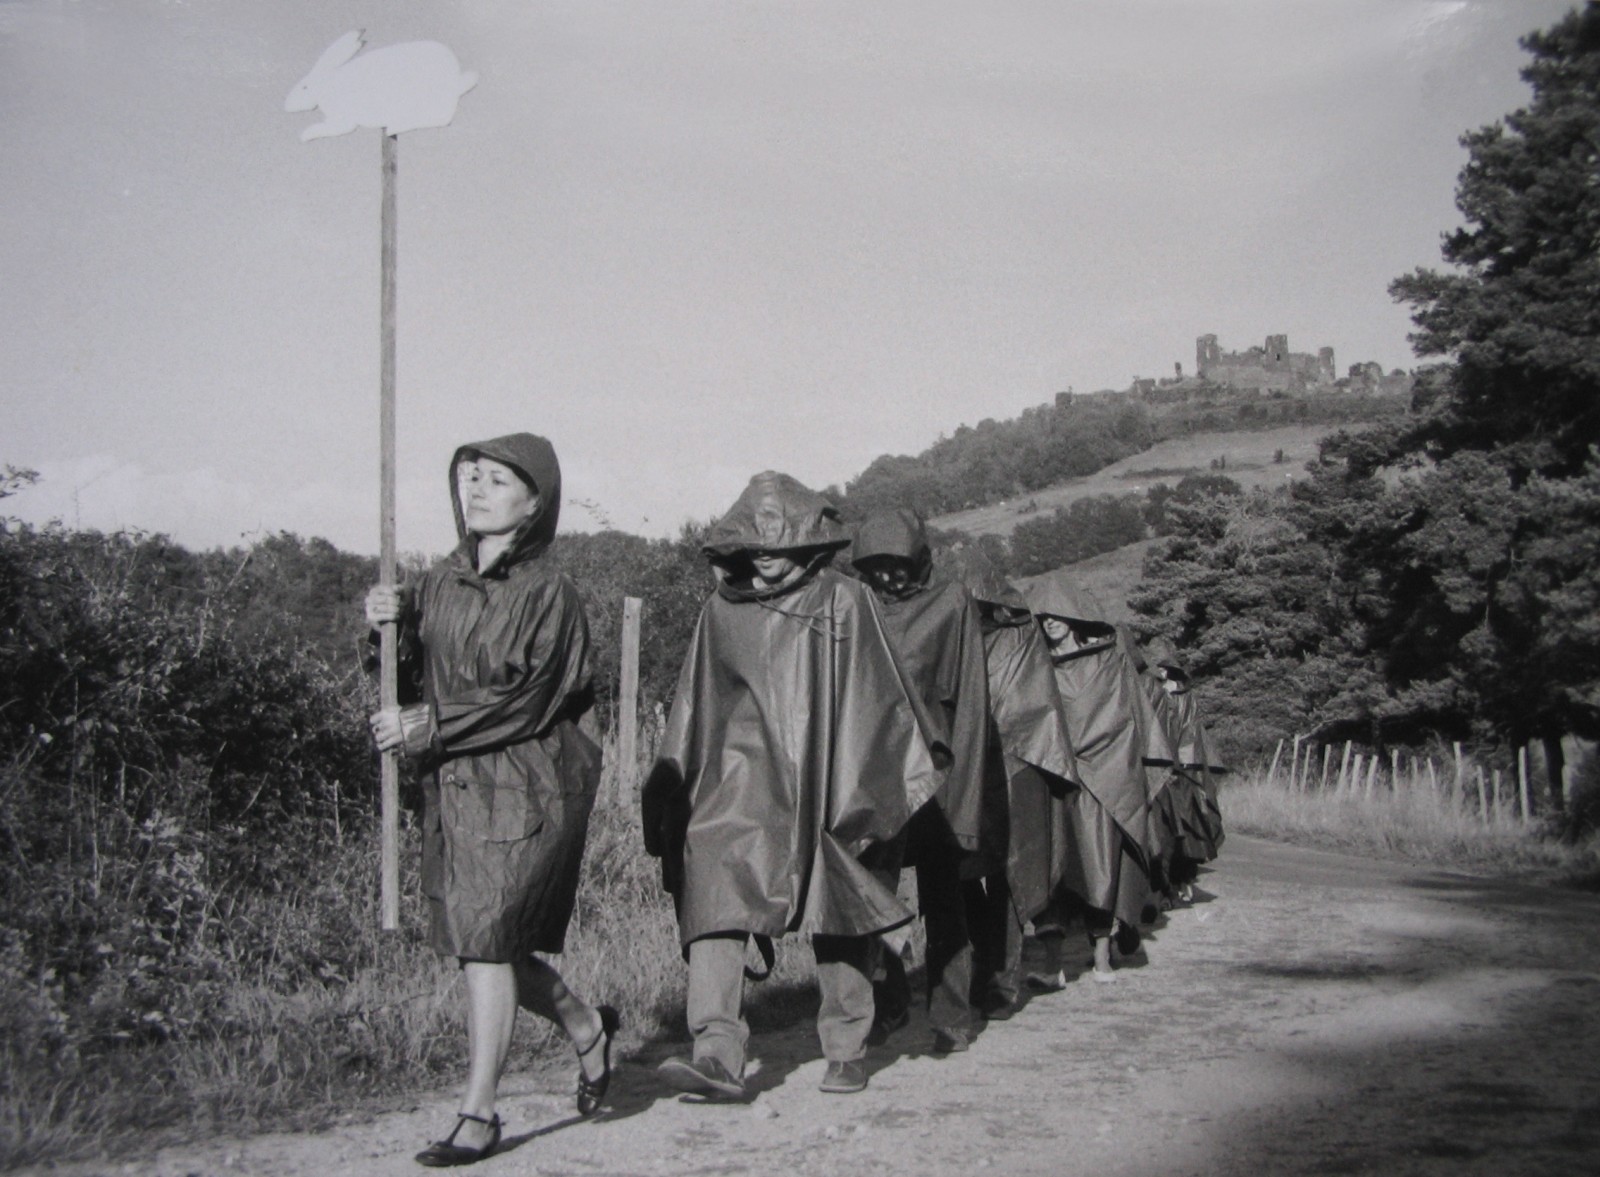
1056	595
974	567
534	459
1160	651
900	534
776	513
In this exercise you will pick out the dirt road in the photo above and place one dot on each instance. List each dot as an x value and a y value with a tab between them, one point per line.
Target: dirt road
1315	1013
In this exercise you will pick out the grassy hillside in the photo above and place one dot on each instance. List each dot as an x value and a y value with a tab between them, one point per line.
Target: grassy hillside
1250	457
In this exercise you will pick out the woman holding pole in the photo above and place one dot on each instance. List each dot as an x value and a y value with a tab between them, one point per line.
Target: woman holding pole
498	640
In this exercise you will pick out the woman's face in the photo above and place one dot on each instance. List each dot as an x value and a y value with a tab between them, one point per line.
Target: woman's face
1058	632
494	500
772	567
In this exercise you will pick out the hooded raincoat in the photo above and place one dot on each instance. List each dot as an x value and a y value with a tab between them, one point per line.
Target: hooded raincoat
935	632
795	743
501	660
1110	720
1169	788
1031	727
1200	820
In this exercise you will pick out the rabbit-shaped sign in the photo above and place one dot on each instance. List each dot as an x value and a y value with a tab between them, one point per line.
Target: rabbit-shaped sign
399	87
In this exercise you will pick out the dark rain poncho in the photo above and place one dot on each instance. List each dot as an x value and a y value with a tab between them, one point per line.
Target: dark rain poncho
1200	821
936	634
1109	720
508	779
1175	795
1031	726
794	746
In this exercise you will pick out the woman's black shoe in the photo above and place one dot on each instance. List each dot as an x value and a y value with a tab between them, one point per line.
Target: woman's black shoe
592	1091
447	1152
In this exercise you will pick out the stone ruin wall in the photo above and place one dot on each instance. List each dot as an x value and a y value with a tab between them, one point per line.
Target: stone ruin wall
1272	367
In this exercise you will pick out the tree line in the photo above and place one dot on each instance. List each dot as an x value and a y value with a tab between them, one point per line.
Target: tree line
1438	577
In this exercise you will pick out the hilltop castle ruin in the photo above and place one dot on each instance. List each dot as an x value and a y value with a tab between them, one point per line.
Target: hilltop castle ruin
1270	369
1273	367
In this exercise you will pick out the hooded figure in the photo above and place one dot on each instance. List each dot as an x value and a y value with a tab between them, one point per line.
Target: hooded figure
494	641
1112	725
795	747
501	657
1199	819
937	637
1030	728
1168	790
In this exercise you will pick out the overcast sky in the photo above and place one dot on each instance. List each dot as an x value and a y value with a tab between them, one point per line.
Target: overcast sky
686	240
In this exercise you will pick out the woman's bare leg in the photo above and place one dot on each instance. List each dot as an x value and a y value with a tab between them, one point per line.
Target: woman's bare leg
540	990
491	1015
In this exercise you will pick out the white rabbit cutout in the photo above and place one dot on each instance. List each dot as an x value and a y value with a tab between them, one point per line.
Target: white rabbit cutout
399	87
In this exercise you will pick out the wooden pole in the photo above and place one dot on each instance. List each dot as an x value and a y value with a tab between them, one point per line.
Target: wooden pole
1497	793
1483	797
1327	760
1355	772
1394	770
1372	775
1344	765
1272	773
1522	780
389	676
1433	778
628	709
1294	767
1460	771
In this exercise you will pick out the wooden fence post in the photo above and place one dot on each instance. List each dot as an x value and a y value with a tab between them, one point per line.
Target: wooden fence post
1294	766
1355	772
1433	779
1394	770
1522	780
1372	775
1483	800
1497	794
628	703
1327	761
1272	773
1460	780
1344	765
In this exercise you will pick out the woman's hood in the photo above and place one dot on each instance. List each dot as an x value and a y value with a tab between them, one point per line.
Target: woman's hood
974	567
776	514
1056	595
535	459
1162	652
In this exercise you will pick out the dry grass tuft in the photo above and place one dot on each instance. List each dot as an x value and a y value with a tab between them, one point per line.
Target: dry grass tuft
1417	824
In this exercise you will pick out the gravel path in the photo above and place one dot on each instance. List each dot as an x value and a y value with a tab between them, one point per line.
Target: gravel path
1316	1013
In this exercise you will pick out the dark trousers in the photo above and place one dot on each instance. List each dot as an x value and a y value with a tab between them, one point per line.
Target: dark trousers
944	914
996	934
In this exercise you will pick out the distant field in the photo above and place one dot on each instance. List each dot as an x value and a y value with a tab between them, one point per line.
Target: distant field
1249	462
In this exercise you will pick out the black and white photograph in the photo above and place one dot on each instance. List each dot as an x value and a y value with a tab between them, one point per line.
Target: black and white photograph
654	588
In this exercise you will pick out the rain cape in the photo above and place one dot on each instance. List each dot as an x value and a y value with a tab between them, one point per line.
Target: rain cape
795	744
1031	727
936	635
1110	721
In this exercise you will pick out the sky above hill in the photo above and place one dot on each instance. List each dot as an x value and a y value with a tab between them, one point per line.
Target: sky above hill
686	241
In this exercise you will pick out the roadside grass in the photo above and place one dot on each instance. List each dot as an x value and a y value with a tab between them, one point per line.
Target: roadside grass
368	1033
1415	822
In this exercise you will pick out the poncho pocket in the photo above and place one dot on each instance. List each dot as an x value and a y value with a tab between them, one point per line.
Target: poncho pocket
494	812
